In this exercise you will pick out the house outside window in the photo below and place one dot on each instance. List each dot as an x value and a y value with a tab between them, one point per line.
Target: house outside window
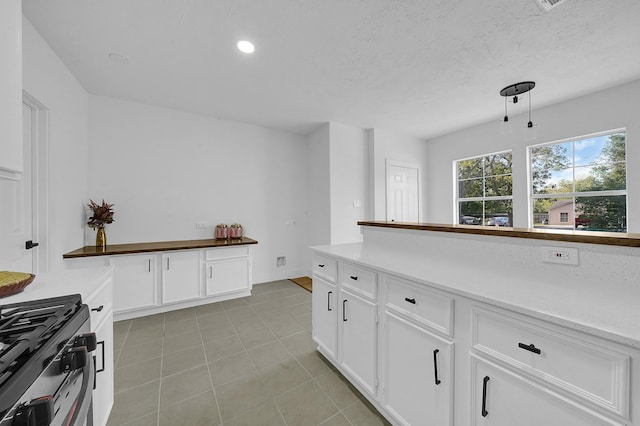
484	190
580	183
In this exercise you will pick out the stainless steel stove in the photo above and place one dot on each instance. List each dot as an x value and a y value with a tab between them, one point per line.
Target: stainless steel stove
46	371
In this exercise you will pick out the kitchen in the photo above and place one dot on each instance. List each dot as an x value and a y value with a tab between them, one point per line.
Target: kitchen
288	188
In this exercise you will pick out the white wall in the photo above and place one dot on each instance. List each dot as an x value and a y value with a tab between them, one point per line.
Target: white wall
606	110
386	145
319	194
165	170
48	80
348	174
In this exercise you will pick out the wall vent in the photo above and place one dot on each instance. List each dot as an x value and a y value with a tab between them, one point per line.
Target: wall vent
549	4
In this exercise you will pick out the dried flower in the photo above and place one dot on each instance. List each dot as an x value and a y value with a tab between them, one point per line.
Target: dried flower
102	214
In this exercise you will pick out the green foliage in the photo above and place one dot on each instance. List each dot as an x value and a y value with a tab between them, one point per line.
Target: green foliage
544	159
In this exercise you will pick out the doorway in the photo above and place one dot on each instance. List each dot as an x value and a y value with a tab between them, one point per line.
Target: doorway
403	191
24	199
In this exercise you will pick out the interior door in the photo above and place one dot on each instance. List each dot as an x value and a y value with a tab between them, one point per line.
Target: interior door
16	209
403	192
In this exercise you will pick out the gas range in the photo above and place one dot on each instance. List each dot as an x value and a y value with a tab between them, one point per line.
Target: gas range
46	370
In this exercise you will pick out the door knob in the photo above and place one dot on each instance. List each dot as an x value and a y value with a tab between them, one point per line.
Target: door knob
30	244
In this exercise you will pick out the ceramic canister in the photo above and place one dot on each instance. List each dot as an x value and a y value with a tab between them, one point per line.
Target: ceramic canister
221	232
235	231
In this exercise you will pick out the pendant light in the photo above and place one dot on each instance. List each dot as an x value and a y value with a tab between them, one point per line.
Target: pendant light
515	90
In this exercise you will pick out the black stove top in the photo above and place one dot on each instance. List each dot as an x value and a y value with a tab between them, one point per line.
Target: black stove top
32	334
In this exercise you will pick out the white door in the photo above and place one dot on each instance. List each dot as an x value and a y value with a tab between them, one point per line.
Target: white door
403	199
325	315
418	374
504	399
180	276
16	209
134	282
227	276
358	345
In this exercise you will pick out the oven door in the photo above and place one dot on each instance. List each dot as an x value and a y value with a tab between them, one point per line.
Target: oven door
61	395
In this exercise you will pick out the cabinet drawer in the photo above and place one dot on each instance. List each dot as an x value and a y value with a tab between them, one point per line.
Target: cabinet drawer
100	302
584	368
325	268
426	306
360	279
226	253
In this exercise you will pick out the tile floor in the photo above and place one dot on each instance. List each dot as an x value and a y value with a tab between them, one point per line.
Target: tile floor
248	361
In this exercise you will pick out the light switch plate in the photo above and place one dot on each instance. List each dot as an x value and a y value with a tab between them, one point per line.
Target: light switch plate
562	255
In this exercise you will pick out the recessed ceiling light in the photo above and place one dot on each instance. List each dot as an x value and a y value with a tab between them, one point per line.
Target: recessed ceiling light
120	59
246	46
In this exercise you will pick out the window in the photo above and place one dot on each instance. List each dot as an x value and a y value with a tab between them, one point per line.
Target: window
580	183
484	188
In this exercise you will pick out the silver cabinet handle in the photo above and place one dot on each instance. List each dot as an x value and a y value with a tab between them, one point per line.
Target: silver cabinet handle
167	263
149	265
210	271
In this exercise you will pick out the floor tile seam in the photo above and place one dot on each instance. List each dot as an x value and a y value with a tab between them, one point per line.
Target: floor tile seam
186	347
160	385
215	395
351	405
118	367
131	421
136	386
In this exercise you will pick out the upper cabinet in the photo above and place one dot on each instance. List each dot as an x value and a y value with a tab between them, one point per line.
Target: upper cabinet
11	88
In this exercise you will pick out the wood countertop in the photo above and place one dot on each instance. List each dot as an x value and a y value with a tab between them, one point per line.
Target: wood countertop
589	237
113	249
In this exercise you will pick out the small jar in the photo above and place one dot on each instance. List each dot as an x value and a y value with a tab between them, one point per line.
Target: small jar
235	231
222	232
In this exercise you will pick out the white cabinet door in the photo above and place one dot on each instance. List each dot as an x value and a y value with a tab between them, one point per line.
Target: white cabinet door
325	315
358	343
180	276
227	276
103	356
418	374
501	398
134	282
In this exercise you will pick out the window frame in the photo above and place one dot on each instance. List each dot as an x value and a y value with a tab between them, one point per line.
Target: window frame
484	198
575	194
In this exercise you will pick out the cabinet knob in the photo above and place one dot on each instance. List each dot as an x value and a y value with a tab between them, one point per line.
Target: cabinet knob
98	309
321	266
354	277
412	301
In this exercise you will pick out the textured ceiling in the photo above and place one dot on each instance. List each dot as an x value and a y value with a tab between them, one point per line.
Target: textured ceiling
423	67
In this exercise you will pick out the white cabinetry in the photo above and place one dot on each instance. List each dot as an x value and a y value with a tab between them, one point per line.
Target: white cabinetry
101	308
180	276
227	270
325	315
358	339
11	87
134	281
417	363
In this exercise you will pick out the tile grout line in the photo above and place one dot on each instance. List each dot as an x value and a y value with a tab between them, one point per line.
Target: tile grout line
164	324
215	394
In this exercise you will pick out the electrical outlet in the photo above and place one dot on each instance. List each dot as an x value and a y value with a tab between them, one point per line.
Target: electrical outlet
562	255
281	261
202	225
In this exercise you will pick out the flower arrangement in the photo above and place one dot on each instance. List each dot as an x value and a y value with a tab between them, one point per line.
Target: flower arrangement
102	214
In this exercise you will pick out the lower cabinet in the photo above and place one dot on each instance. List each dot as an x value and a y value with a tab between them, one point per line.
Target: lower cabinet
134	281
357	339
180	276
226	276
103	359
417	374
325	316
502	398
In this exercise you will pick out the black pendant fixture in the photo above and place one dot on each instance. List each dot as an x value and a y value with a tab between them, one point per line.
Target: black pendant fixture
515	90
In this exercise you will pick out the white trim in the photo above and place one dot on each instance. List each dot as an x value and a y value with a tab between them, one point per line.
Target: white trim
40	181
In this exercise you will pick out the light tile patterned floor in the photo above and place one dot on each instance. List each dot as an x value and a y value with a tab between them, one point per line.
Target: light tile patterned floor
248	361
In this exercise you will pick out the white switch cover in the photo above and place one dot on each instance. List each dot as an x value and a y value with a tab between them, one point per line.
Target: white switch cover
357	204
562	255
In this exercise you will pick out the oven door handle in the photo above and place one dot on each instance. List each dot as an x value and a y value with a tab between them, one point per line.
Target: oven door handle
86	393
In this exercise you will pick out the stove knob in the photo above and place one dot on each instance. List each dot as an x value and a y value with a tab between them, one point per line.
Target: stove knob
87	340
38	412
73	359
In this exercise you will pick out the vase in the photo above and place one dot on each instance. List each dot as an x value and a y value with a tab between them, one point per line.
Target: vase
101	239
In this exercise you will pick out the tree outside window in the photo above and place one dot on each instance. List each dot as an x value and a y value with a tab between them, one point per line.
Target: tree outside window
485	188
586	178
